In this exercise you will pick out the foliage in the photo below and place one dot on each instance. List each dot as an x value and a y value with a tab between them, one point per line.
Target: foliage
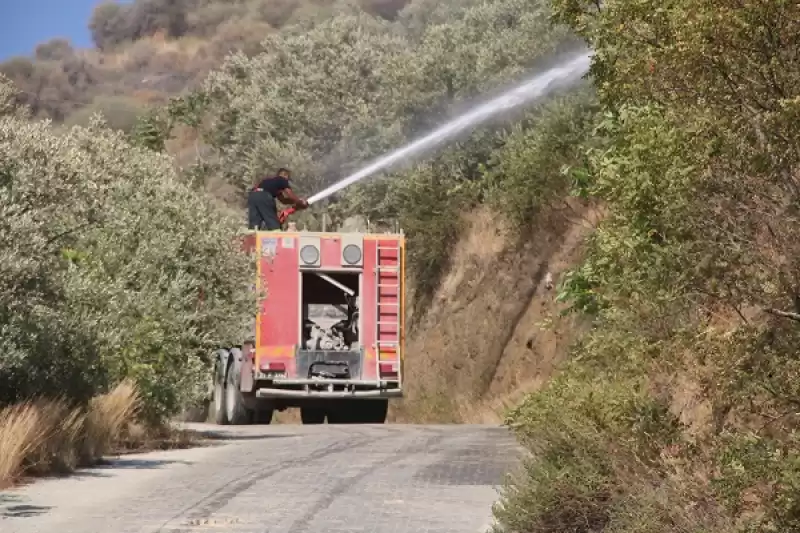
113	23
529	172
119	113
54	50
8	97
151	130
161	47
106	23
691	279
294	105
583	453
327	98
111	269
50	88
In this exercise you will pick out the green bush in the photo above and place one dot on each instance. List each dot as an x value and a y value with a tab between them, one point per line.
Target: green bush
529	173
327	98
690	280
589	437
110	267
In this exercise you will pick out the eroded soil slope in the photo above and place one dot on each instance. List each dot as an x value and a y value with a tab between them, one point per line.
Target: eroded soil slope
493	331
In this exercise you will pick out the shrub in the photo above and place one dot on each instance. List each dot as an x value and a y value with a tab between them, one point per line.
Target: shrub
111	269
119	113
108	25
54	50
54	436
590	438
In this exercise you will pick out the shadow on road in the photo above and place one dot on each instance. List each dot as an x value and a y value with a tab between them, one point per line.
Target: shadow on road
11	507
136	463
108	466
23	511
212	435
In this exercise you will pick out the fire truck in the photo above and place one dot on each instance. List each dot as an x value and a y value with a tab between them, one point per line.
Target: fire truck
328	336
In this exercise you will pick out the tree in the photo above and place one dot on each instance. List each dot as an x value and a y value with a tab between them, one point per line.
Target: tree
108	25
388	9
328	99
278	12
54	50
693	275
146	17
8	97
105	254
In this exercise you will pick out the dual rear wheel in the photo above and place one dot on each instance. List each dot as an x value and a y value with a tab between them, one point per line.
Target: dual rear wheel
229	406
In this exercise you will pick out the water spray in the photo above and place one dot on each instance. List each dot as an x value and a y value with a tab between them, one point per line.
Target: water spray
565	74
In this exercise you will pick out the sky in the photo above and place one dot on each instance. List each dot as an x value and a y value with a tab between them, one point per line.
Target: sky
26	23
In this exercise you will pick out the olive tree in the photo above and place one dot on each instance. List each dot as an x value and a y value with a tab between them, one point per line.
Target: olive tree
329	98
315	101
110	267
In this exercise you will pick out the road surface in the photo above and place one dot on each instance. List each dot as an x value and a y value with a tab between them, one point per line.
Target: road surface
283	478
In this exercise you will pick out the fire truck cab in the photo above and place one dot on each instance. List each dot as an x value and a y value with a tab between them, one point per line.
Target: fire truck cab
328	336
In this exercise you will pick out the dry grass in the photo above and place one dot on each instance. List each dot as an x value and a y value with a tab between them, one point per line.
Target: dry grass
48	436
108	417
21	435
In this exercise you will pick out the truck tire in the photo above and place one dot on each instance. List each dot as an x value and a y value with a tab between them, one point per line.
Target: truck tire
375	411
236	412
263	415
339	414
359	412
219	414
346	412
312	415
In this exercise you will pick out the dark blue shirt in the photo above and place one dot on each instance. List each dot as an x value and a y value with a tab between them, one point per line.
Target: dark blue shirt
274	185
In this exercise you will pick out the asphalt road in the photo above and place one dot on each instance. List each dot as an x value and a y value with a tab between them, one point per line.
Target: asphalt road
284	478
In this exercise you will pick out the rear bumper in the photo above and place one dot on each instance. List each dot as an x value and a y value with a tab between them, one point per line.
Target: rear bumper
298	394
329	388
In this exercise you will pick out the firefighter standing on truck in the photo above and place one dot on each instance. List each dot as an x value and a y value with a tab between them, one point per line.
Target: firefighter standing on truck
262	210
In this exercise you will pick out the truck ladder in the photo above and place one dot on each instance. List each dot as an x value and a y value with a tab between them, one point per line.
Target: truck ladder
388	291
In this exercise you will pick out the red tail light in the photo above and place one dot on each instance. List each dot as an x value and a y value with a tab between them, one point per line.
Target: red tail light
272	366
388	369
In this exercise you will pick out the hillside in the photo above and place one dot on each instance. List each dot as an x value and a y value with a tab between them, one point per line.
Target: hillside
329	87
321	94
494	331
654	380
149	50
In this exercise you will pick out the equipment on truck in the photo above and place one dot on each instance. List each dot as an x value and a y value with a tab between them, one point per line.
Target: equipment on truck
283	215
328	337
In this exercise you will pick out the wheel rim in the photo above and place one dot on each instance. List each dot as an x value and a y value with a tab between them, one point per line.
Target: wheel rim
218	392
230	401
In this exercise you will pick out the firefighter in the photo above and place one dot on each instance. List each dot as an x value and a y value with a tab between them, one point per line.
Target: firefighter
262	211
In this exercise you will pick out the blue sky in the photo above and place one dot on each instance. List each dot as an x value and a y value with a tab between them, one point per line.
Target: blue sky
26	23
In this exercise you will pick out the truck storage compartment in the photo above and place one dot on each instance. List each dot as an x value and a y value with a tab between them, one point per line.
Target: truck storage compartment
331	337
330	307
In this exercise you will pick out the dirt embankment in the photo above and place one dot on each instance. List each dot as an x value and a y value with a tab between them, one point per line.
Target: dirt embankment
494	330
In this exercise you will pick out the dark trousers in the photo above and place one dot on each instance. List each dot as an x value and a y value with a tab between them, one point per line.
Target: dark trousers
262	211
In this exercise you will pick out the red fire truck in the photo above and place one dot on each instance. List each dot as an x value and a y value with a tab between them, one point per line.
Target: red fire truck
328	334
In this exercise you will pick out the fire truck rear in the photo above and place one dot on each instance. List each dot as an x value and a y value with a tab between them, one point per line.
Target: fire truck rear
328	336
